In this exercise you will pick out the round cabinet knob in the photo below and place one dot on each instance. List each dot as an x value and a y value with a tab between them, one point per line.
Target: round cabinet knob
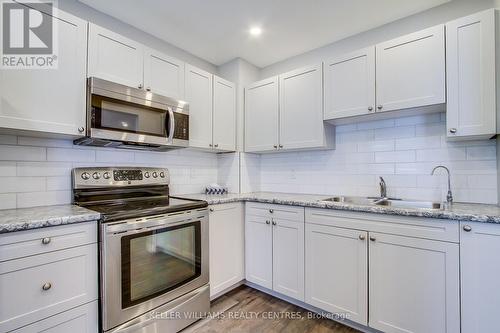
380	107
210	145
271	211
46	240
275	146
106	175
85	176
370	108
148	89
155	174
96	175
467	228
46	286
453	130
274	222
211	209
281	146
268	222
162	174
216	145
81	129
146	174
373	239
361	237
140	86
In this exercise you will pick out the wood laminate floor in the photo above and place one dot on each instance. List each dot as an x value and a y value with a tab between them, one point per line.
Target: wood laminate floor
246	310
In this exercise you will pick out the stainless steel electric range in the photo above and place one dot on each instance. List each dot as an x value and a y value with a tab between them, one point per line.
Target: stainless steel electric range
153	249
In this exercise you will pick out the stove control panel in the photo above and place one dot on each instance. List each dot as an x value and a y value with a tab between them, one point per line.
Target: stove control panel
119	176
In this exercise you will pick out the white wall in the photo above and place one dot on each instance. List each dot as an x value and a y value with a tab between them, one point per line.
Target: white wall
89	14
36	171
429	18
402	150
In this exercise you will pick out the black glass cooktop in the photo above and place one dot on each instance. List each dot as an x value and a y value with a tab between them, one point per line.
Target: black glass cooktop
135	208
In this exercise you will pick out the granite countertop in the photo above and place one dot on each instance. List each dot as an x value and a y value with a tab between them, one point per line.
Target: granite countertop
458	211
39	217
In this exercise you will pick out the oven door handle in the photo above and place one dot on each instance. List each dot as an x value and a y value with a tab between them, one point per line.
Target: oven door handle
172	126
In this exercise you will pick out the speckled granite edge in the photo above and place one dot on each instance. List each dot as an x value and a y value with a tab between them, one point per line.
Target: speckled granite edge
458	212
20	219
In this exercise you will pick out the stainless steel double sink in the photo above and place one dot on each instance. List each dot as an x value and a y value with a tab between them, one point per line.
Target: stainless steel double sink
388	202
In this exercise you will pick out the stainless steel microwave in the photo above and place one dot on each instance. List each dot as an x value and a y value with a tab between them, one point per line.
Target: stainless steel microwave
125	117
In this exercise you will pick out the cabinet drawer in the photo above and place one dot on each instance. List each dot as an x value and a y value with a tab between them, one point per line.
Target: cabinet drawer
286	212
418	227
32	242
82	319
36	287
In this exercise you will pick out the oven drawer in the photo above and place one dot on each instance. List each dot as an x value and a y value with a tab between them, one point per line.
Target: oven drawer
36	287
32	242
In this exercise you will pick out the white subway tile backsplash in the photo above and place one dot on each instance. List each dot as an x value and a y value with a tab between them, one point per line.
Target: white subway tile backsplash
7	201
441	154
382	145
395	133
423	142
19	153
7	169
22	184
114	156
395	156
28	169
481	153
43	142
58	183
43	198
70	155
8	139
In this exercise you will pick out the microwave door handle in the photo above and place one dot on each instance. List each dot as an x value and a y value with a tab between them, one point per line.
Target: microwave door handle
172	126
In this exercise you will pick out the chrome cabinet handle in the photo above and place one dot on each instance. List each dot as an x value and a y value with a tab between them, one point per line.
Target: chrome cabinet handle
453	130
268	222
467	228
46	286
81	129
361	237
373	239
370	108
46	240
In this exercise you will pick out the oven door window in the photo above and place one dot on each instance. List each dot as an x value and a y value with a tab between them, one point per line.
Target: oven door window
112	114
158	261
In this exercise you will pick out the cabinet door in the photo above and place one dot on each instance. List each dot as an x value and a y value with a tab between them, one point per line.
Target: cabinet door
411	70
163	75
199	96
414	285
301	108
479	277
470	61
337	271
49	100
227	249
115	58
259	251
224	116
261	116
83	319
350	84
288	257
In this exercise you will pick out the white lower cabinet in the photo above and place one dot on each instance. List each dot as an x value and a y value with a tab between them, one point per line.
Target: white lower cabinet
414	285
274	248
37	289
82	319
480	269
337	271
227	246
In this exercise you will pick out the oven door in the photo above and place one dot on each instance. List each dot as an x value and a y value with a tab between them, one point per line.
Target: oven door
148	262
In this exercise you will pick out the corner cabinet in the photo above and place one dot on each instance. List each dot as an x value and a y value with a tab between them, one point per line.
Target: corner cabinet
274	248
49	101
227	247
212	111
479	269
470	61
286	113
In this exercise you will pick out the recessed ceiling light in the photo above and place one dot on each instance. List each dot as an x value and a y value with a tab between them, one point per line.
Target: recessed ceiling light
255	31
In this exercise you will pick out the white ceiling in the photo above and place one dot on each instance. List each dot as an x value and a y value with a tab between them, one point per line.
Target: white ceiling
217	30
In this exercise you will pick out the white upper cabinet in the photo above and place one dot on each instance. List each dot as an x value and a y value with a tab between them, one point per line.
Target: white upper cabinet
350	84
115	58
413	285
163	75
411	70
49	100
470	61
261	116
479	269
339	283
301	109
224	115
199	96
